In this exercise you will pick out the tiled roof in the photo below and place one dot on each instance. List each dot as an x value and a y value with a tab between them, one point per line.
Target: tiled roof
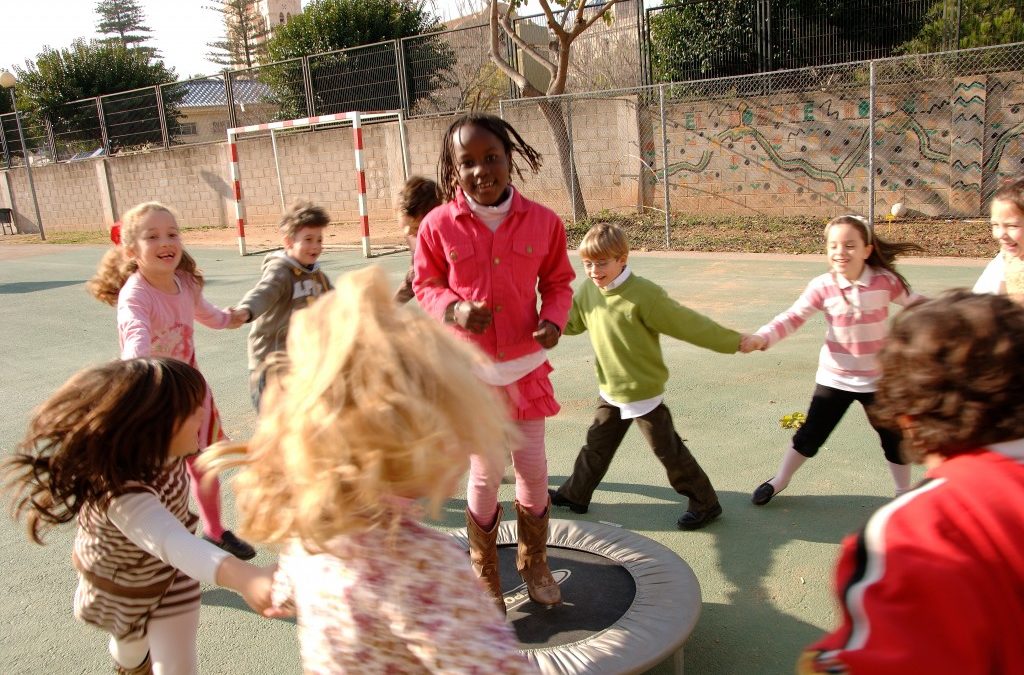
210	92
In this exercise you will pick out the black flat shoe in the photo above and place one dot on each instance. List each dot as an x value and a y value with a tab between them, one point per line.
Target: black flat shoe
763	494
558	500
694	520
233	545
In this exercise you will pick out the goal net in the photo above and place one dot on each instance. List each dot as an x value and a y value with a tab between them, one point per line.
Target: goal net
310	184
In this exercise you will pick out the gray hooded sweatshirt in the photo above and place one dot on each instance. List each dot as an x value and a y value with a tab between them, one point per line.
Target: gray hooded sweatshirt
285	287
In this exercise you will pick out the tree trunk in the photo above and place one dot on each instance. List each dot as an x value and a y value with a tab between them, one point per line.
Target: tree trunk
552	111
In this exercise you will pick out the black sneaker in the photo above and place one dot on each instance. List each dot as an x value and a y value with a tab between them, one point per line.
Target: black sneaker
694	520
763	494
558	500
233	545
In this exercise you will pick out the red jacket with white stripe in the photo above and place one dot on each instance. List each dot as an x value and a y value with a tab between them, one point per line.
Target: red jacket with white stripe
935	581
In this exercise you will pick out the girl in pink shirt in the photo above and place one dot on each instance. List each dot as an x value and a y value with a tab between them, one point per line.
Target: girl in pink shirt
855	297
157	289
481	261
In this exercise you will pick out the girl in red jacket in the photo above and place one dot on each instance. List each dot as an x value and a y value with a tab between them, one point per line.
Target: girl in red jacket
932	584
481	261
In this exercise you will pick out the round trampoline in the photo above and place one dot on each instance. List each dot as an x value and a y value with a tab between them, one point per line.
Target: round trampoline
628	602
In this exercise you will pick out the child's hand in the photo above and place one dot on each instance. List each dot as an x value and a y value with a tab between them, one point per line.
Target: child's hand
752	343
473	316
238	317
253	583
547	334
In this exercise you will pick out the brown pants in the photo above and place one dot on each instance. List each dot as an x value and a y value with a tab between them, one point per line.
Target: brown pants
603	440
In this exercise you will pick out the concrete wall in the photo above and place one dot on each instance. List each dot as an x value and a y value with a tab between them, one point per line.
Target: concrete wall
941	147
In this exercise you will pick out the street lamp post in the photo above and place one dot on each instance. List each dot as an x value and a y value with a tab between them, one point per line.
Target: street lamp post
7	81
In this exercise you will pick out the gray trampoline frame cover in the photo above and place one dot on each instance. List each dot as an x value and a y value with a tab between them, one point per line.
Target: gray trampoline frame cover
662	615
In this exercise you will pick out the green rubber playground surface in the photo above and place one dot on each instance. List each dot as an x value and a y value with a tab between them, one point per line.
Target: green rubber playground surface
765	572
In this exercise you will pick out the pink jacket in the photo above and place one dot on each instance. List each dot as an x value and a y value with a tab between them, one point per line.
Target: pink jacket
459	258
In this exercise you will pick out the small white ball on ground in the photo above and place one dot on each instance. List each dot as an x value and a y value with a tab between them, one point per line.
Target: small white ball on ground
899	209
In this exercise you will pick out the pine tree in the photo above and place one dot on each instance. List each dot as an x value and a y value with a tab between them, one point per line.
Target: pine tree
122	20
244	44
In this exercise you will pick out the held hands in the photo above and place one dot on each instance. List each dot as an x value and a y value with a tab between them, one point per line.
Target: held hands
472	315
752	343
238	317
547	334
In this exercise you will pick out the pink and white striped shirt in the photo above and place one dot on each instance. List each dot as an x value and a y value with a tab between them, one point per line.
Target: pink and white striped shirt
857	314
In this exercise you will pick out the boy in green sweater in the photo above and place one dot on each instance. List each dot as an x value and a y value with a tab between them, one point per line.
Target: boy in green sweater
626	315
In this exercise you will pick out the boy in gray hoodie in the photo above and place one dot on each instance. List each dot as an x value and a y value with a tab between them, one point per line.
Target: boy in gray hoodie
291	280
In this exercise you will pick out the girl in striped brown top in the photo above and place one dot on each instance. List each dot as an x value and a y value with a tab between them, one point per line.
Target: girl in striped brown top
108	448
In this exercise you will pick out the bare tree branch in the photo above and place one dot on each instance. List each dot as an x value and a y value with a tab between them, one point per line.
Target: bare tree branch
582	25
499	60
556	27
520	42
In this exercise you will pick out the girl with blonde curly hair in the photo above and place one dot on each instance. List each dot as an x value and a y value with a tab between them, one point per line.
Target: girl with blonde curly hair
374	408
158	292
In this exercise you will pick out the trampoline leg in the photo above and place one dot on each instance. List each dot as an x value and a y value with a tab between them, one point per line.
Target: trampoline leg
532	556
483	555
677	662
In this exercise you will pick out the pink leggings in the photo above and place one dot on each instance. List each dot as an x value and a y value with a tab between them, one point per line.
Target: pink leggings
531	466
207	496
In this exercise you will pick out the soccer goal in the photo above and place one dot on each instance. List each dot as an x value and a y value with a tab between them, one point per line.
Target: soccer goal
354	119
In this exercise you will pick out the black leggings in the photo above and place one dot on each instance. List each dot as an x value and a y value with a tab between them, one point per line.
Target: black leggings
828	405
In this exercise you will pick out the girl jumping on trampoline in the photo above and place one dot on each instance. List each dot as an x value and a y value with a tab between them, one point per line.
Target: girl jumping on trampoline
107	448
854	296
480	263
158	291
365	414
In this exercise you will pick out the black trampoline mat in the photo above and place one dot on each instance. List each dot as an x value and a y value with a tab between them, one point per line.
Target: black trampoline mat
596	592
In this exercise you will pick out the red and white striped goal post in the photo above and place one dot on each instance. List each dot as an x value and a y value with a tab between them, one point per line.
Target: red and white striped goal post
355	117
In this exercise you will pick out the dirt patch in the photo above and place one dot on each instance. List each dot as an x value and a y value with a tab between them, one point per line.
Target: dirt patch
383	234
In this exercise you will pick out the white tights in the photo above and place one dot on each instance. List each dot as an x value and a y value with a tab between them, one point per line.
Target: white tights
170	642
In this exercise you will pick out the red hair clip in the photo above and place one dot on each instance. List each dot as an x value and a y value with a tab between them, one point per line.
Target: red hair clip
115	233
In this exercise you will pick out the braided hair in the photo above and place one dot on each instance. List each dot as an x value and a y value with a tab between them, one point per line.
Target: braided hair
510	140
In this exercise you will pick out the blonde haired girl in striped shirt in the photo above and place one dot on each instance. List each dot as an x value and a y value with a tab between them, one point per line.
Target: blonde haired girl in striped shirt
854	296
108	449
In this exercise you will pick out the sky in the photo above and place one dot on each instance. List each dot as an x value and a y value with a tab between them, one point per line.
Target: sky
181	28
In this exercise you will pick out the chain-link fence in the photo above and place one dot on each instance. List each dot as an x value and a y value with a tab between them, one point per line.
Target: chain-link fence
452	70
934	133
685	40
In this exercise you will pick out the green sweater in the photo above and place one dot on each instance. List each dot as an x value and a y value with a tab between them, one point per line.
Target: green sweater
625	325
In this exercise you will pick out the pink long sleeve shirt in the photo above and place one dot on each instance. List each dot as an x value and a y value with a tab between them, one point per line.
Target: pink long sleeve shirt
459	258
857	314
153	323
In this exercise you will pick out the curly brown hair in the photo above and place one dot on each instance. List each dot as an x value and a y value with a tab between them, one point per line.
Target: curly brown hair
105	427
419	197
953	370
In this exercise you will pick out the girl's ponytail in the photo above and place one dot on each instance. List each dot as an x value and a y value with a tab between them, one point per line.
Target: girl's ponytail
111	275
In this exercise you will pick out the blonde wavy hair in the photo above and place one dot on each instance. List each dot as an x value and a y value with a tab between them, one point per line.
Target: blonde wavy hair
374	402
118	264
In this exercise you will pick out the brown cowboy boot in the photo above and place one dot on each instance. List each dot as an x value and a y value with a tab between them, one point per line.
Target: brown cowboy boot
532	556
144	668
483	555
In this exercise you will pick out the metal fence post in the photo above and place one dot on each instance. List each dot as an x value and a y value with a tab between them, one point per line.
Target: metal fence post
664	166
403	89
163	115
51	140
3	146
103	125
229	98
959	7
307	82
572	157
871	143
